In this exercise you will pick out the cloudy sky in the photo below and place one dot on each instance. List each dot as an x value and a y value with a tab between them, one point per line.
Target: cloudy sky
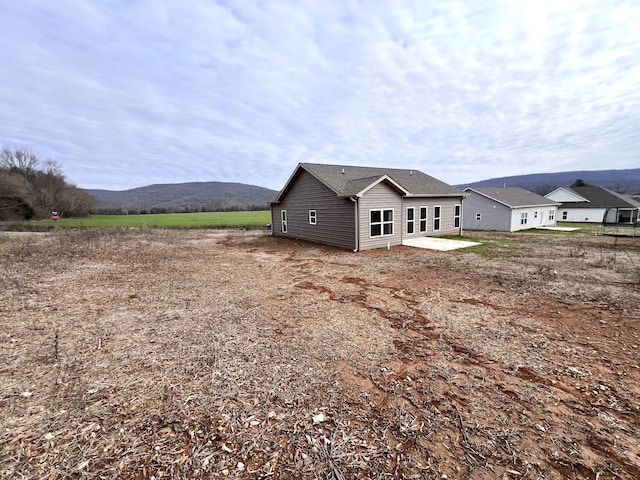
127	93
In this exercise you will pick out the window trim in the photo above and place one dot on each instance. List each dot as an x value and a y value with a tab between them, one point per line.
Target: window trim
478	216
382	222
437	219
457	214
283	221
424	220
524	218
313	217
411	221
552	214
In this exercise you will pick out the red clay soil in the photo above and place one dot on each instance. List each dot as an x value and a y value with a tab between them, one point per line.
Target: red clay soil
202	354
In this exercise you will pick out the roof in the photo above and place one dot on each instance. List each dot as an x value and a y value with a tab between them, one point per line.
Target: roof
352	181
600	197
512	197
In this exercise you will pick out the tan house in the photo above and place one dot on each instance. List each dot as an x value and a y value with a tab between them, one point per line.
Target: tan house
360	208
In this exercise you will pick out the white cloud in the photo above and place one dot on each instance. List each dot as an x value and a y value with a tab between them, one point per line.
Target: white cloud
131	93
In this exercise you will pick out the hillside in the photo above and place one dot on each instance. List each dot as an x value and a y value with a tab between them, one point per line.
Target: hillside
625	181
183	197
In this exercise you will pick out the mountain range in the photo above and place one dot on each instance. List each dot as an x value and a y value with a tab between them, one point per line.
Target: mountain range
183	197
224	196
622	181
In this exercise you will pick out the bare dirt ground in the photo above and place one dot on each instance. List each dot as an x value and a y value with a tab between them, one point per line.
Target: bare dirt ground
202	354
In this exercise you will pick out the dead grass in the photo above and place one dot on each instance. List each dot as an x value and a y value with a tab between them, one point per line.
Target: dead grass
140	353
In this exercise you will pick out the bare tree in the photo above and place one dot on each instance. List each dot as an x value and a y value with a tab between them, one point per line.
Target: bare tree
31	186
20	160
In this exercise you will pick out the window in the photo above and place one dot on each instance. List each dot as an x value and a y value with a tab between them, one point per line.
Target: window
535	214
564	215
552	214
478	216
381	223
523	218
284	221
456	216
423	219
411	220
436	219
312	217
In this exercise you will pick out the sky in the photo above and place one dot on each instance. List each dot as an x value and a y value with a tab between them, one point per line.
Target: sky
128	93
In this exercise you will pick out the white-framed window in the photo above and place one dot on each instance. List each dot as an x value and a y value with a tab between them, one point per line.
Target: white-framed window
381	222
436	218
423	219
523	218
478	216
564	214
313	217
456	215
283	216
411	220
552	214
535	214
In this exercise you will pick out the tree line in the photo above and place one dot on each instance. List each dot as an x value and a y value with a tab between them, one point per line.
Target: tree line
211	206
33	188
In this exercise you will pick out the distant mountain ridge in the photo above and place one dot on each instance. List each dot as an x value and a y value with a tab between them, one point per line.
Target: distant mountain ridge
624	181
225	196
183	197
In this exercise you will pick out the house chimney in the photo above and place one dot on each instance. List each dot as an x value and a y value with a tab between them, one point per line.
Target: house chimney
343	171
410	172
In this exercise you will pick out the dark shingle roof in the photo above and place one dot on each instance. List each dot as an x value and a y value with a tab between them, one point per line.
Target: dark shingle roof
513	196
600	197
347	180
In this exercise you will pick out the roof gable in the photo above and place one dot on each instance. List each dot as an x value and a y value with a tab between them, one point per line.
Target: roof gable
565	194
513	197
357	188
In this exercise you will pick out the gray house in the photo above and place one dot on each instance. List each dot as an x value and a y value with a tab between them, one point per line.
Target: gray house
594	204
507	209
360	208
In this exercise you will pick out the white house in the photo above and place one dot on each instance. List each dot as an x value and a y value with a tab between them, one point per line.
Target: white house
593	204
506	209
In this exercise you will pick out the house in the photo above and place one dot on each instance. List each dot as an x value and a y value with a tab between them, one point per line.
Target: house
507	209
594	204
360	208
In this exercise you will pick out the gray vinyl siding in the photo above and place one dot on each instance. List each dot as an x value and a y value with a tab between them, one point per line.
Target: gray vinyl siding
495	216
335	216
382	196
447	225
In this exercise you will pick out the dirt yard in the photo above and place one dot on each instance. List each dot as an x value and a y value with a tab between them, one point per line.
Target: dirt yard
148	353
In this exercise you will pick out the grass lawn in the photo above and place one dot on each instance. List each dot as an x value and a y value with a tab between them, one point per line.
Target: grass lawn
168	220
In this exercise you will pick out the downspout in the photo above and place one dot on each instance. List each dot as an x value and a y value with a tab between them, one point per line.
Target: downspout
355	201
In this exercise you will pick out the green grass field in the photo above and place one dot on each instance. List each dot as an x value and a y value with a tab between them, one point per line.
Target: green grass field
169	220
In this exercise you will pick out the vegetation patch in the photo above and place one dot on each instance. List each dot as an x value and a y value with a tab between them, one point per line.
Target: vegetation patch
137	352
243	219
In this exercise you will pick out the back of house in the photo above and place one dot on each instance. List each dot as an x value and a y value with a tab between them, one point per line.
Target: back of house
360	208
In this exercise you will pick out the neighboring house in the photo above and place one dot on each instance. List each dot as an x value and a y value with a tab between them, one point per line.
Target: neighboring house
593	204
507	209
360	208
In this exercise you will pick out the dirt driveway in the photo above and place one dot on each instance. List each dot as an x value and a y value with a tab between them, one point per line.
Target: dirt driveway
197	354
